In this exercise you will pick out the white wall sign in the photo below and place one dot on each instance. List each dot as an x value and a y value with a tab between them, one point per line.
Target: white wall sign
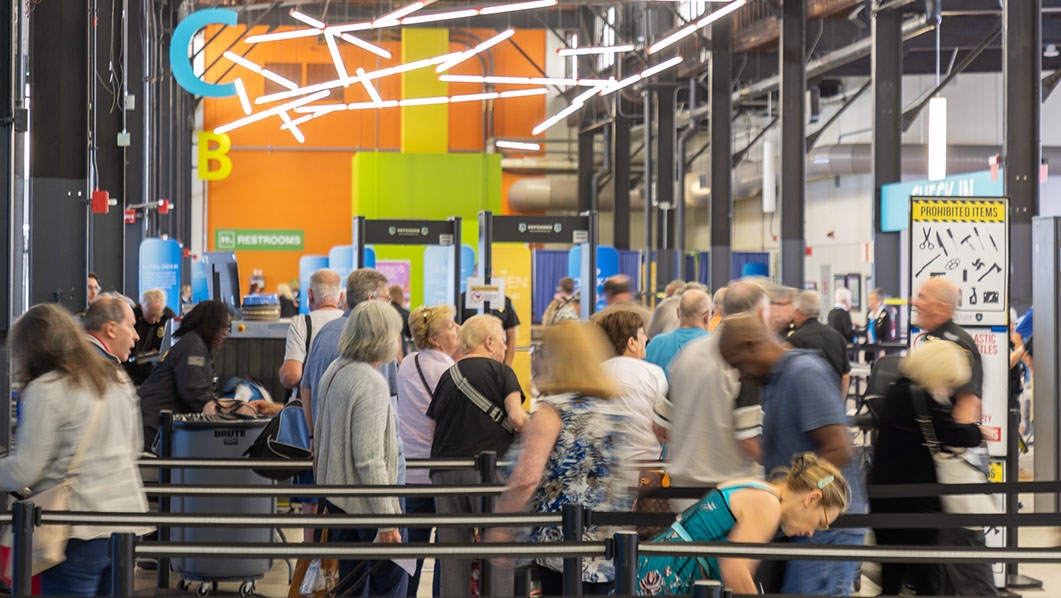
479	293
965	241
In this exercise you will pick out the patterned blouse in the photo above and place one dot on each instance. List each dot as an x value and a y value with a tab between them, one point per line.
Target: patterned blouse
586	466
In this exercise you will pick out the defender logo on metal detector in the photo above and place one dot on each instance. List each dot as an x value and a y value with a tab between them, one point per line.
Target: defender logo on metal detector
557	227
522	227
392	230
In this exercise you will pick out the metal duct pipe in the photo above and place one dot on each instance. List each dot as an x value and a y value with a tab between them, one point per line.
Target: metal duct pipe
835	59
560	192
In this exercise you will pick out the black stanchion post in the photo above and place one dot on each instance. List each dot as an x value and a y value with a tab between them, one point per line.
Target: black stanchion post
165	476
727	593
707	588
574	523
1014	580
487	462
23	519
625	558
123	549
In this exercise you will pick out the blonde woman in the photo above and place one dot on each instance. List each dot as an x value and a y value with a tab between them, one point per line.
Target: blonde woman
437	346
73	402
288	307
938	368
798	501
573	452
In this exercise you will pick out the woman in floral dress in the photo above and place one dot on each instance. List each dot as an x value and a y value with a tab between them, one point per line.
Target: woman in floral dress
573	451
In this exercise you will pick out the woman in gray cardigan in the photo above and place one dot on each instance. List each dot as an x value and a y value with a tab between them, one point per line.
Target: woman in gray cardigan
357	437
73	400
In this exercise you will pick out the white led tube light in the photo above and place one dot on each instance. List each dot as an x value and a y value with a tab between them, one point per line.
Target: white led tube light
590	50
271	112
236	58
493	41
369	87
244	101
518	145
700	24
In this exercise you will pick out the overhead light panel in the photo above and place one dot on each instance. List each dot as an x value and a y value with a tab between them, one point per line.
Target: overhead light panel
493	41
514	6
301	16
590	50
281	35
500	80
271	112
518	145
244	100
393	18
700	24
283	81
369	87
937	139
337	58
386	72
291	126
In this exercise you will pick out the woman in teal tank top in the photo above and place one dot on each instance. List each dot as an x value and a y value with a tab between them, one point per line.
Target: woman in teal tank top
807	497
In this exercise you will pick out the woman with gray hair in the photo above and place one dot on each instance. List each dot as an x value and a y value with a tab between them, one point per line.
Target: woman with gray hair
357	437
934	368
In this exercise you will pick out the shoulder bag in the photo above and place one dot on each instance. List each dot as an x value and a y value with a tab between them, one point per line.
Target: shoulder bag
952	468
495	413
49	541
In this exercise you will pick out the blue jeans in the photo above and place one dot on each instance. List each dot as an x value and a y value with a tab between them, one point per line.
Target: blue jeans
387	579
822	578
85	572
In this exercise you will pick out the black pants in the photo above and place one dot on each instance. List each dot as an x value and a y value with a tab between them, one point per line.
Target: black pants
967	579
925	578
553	584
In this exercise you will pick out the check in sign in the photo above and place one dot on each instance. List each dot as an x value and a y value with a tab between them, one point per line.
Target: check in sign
257	240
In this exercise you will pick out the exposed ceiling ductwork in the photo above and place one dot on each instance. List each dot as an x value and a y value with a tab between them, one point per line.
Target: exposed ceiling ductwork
560	192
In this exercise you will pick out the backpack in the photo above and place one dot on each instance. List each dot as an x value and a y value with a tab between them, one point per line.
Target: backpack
286	437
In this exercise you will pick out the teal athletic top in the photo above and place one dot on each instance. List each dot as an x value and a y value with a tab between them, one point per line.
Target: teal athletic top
709	520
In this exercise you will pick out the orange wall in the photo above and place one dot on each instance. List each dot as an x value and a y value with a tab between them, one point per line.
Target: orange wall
309	188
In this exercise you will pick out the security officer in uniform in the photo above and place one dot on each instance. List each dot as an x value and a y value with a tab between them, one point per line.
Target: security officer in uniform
152	316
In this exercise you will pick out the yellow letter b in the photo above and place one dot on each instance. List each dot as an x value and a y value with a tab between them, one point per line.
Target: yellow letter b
219	154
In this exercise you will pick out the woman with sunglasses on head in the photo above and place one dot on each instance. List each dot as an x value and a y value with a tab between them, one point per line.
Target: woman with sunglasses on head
805	498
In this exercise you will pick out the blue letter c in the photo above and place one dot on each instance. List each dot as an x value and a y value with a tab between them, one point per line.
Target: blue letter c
179	61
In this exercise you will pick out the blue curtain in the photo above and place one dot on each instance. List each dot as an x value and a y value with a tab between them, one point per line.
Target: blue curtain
705	268
550	265
755	260
630	265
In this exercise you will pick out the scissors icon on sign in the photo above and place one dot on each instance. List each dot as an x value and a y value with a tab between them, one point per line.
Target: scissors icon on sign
927	243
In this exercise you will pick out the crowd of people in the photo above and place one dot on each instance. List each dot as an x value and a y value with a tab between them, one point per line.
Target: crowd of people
742	391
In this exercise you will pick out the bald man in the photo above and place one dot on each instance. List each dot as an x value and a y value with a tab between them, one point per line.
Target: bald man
694	312
933	309
802	411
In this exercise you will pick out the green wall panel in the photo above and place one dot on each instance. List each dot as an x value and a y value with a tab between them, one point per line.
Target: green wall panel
425	187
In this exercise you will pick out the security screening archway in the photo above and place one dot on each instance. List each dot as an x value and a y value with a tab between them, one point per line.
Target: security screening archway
446	233
569	230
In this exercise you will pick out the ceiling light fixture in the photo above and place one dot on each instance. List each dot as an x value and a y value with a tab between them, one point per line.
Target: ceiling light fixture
320	28
392	18
700	24
301	16
236	58
244	100
499	80
369	87
291	126
645	74
337	58
589	50
271	112
552	120
518	145
401	68
493	41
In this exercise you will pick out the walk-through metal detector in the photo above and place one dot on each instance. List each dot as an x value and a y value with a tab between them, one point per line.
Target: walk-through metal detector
411	232
570	230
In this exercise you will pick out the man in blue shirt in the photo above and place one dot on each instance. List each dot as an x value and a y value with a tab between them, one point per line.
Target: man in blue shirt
694	313
365	284
802	411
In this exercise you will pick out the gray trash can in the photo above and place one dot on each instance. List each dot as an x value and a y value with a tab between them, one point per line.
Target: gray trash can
198	436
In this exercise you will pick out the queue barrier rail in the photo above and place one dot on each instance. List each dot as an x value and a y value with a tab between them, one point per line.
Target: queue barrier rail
293	465
300	520
171	490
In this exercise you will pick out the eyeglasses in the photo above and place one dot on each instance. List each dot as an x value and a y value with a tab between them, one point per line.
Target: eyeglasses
824	525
